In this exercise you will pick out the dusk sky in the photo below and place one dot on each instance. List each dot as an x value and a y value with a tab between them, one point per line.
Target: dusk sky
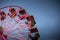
45	12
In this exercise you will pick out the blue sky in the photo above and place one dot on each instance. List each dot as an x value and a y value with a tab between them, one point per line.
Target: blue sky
45	13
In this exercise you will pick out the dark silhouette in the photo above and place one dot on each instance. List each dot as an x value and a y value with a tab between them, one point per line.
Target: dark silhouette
36	37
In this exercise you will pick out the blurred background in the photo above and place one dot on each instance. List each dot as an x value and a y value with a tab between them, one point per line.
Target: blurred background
45	12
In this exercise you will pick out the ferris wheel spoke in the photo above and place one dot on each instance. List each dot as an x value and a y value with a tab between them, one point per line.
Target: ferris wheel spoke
11	26
16	22
1	22
10	31
18	31
14	36
17	36
24	26
8	22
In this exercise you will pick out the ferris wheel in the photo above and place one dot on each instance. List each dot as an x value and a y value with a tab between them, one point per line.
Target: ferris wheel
15	22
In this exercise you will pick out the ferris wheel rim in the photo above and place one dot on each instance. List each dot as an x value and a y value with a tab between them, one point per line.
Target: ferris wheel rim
11	6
